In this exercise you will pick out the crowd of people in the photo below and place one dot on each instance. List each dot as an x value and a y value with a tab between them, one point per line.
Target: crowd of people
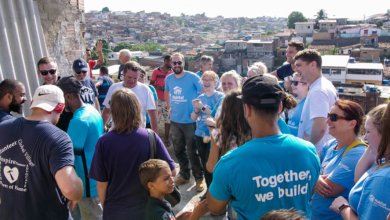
278	145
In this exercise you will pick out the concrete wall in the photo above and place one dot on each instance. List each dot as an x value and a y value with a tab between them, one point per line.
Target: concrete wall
63	25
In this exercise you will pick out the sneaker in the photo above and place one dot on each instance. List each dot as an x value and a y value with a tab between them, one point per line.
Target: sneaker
200	185
179	180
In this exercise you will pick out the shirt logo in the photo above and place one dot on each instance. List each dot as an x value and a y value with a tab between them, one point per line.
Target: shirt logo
11	174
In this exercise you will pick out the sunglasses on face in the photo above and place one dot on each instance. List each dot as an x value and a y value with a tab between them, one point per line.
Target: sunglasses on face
45	72
174	63
295	83
81	72
335	117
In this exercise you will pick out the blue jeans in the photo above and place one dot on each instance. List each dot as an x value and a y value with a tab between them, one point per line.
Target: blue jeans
185	149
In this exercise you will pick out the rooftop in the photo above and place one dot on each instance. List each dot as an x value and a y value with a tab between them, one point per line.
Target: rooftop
335	60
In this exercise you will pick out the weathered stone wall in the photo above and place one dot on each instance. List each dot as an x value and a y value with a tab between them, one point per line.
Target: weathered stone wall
63	26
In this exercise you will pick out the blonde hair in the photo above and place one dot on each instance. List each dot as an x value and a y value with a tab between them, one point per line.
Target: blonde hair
210	74
376	115
234	75
125	111
261	66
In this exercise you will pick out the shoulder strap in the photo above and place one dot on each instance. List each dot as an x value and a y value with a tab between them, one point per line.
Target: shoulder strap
354	144
152	143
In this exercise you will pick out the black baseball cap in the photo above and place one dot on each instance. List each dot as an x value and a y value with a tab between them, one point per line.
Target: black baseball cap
262	90
80	65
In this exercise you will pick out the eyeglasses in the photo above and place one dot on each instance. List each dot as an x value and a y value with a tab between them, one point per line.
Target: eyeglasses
295	83
45	72
335	117
81	72
177	63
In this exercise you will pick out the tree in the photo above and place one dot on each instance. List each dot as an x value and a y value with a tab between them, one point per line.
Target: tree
105	9
321	15
295	16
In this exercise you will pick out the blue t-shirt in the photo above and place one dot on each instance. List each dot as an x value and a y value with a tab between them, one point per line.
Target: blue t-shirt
283	126
264	175
84	130
294	117
370	197
284	71
105	83
340	170
211	102
155	99
5	115
181	92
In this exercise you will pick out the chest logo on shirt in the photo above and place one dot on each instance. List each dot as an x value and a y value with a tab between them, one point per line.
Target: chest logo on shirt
177	95
11	174
87	95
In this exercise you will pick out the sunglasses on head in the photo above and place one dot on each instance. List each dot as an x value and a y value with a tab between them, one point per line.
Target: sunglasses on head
81	72
335	117
45	72
177	63
295	83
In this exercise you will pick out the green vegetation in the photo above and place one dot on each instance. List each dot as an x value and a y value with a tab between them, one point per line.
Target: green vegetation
105	9
149	47
295	16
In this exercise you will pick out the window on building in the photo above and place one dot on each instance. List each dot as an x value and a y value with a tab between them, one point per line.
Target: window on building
364	72
336	72
308	27
365	31
325	70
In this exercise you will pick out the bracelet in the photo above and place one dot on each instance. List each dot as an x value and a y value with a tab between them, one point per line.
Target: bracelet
343	206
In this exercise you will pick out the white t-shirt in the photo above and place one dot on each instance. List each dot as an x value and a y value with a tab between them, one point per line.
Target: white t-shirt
321	97
143	93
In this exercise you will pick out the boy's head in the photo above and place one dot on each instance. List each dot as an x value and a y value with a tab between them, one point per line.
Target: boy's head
156	176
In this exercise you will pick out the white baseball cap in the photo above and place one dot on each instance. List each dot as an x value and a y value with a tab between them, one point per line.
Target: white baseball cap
47	97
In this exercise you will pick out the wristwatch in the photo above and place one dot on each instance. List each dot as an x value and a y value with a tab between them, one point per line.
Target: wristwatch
343	206
203	108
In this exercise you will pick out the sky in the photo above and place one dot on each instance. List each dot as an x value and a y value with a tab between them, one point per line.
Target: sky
353	9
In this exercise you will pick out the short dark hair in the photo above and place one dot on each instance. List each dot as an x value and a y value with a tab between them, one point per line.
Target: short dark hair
167	57
70	85
104	70
309	55
298	45
131	65
45	60
8	86
149	171
352	111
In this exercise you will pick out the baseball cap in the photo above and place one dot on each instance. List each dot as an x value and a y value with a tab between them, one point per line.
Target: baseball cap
262	90
80	65
47	97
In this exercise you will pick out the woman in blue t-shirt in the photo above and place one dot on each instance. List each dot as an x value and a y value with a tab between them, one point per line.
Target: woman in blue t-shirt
299	89
340	158
369	199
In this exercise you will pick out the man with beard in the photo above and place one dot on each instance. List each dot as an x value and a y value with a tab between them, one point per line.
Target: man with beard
47	70
180	89
12	96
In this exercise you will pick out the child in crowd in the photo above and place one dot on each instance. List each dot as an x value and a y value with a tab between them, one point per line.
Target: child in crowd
156	177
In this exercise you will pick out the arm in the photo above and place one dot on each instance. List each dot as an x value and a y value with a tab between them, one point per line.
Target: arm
106	115
99	51
69	183
213	155
346	213
318	129
101	188
153	119
365	162
168	101
215	206
333	189
97	105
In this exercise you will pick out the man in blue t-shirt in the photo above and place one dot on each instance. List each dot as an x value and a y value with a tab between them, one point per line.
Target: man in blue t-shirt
84	129
264	174
180	89
37	178
12	96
